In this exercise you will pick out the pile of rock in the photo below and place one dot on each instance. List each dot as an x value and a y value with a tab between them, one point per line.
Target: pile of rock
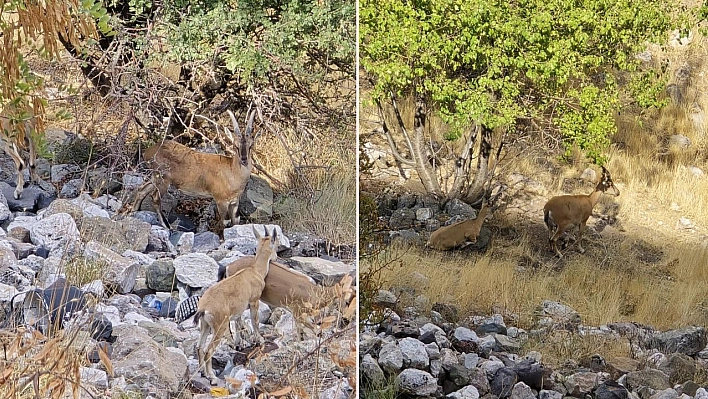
483	357
150	353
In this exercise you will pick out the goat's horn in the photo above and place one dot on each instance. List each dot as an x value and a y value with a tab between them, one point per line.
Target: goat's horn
256	233
249	124
275	233
266	230
234	121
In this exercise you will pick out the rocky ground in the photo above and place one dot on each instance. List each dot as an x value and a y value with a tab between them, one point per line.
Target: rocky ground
428	356
55	233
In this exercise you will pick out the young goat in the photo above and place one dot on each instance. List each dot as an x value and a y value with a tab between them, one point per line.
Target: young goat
459	234
211	175
283	288
565	211
230	297
16	129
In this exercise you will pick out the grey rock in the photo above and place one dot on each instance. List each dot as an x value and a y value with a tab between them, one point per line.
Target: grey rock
489	325
554	314
97	378
470	360
478	379
468	392
138	358
679	367
71	189
325	272
371	370
256	202
416	382
491	367
433	351
423	214
448	358
522	391
439	334
402	219
128	233
649	378
196	270
120	272
65	206
701	393
465	334
582	383
668	393
548	394
160	275
688	340
159	240
183	241
242	237
507	344
5	213
391	358
57	233
503	382
458	375
29	200
386	298
205	242
456	207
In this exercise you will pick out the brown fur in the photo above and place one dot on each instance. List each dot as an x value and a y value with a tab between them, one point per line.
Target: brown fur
14	137
211	175
565	211
230	297
284	287
458	234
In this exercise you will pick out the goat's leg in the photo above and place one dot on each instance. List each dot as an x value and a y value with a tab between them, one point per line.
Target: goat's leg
140	195
157	195
218	333
204	332
254	320
233	212
32	158
581	227
14	153
236	331
554	240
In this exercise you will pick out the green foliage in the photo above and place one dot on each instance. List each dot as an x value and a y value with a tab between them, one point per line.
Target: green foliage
254	39
496	62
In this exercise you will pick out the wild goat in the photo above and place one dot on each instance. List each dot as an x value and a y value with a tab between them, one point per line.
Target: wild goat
565	211
459	234
230	297
15	135
217	176
284	287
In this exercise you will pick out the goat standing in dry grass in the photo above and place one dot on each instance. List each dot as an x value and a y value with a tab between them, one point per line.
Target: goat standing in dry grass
230	297
16	129
211	175
459	234
565	211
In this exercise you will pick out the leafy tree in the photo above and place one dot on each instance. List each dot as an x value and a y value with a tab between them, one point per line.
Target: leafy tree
496	66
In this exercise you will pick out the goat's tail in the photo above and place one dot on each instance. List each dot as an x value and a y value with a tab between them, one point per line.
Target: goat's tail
198	316
550	223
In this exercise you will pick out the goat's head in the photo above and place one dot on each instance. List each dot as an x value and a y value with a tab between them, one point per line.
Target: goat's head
267	243
243	149
605	183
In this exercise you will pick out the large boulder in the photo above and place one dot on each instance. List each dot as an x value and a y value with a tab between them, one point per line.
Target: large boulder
129	233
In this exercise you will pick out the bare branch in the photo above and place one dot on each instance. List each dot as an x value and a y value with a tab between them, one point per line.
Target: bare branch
392	143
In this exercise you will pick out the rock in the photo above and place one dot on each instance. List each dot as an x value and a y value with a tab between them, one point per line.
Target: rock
256	202
468	392
456	207
128	233
589	174
580	384
668	393
438	334
5	213
370	370
423	214
491	366
619	366
507	344
503	382
533	374
414	353
242	237
159	240
679	367
701	393
556	315
57	233
402	219
650	378
548	394
65	206
325	272
141	360
679	141
196	270
120	272
522	391
465	339
470	360
523	183
183	241
28	201
494	324
416	382
160	276
386	299
95	377
478	379
447	311
71	189
688	340
205	242
391	358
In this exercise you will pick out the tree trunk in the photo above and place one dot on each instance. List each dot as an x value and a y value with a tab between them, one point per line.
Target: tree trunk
476	189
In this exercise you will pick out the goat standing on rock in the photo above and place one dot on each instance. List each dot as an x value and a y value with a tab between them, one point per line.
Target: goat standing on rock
230	297
211	175
565	211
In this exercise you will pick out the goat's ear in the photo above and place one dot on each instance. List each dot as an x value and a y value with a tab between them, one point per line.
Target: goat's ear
257	234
